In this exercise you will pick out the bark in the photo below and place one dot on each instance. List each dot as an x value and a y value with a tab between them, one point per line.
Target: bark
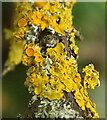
45	38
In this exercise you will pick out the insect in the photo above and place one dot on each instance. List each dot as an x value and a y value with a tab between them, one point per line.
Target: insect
47	39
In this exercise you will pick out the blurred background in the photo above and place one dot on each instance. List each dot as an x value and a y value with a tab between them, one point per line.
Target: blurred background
89	18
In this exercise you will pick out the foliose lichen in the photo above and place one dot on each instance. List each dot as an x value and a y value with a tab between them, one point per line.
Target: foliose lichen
47	35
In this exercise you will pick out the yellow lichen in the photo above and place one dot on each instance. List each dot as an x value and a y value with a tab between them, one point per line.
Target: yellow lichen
45	17
91	78
52	73
64	77
32	54
15	54
61	73
84	102
38	58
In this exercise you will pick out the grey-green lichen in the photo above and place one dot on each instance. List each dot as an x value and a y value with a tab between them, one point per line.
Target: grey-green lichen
54	109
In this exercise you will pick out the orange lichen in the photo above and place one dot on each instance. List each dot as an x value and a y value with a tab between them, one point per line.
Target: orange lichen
22	23
32	54
77	80
38	58
42	63
40	4
30	51
31	45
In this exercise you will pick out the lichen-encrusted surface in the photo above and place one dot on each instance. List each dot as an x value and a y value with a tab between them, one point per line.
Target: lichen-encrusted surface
56	109
51	54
